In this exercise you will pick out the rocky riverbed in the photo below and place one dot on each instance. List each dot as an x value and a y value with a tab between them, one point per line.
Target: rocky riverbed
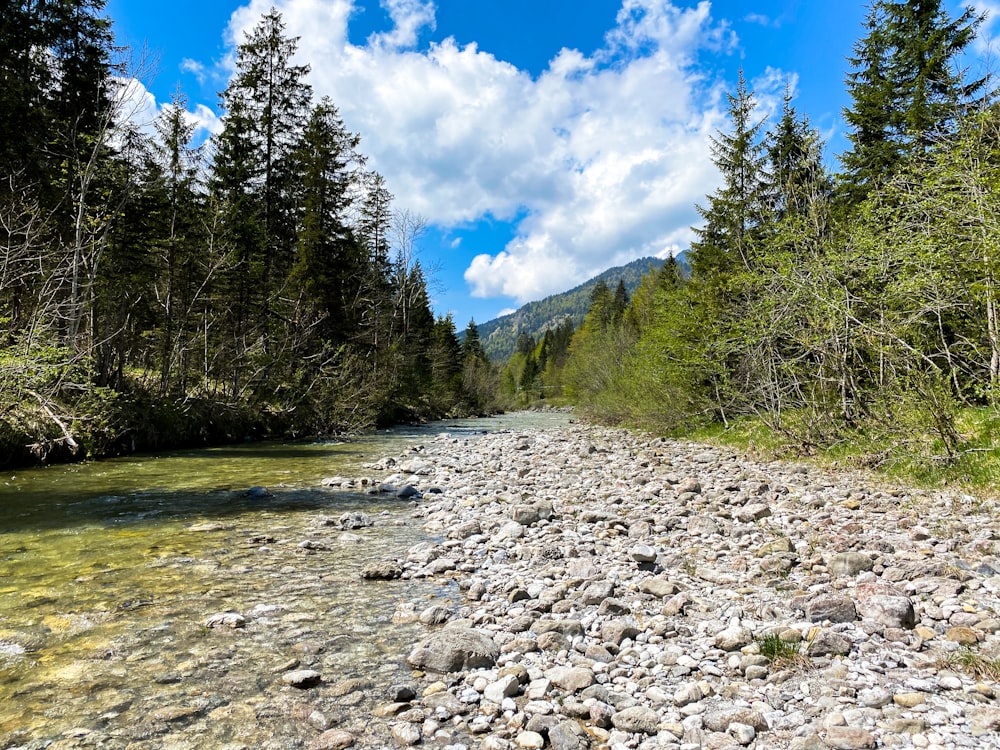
570	587
610	589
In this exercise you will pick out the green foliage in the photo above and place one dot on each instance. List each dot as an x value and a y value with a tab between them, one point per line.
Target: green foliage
737	211
193	302
907	87
871	329
973	663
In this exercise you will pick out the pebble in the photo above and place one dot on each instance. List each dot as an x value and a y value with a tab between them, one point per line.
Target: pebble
636	605
583	587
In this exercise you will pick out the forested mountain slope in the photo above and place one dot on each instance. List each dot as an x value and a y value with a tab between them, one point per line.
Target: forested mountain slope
499	336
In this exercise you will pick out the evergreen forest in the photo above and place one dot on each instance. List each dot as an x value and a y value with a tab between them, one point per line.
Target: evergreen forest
855	307
154	292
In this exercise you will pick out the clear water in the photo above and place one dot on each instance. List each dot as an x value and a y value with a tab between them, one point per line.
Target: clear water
109	570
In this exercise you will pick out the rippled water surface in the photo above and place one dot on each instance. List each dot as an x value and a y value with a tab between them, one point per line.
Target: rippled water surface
109	570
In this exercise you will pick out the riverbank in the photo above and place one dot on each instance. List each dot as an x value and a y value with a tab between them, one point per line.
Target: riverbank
626	591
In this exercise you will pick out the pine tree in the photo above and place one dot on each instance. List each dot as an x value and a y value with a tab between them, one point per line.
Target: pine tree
256	175
182	277
737	210
374	293
601	311
905	86
472	346
479	376
330	263
620	303
25	84
81	102
445	354
796	172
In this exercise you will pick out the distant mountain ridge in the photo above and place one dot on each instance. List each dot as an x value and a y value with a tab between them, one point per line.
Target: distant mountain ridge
499	336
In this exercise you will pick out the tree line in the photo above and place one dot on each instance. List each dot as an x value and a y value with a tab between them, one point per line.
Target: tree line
830	305
154	291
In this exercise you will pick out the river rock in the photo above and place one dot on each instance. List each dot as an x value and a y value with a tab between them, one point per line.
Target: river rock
454	649
643	553
733	638
568	735
721	720
832	607
405	734
636	719
829	643
435	614
849	738
568	628
506	687
408	492
302	678
383	570
658	586
574	604
356	520
332	739
571	679
231	620
526	515
616	631
962	635
850	563
891	611
530	740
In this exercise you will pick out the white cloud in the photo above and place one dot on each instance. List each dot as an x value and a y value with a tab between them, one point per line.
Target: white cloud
137	105
205	120
986	42
195	68
604	155
759	19
408	18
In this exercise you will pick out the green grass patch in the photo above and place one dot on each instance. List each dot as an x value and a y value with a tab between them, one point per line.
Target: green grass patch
915	458
973	663
782	654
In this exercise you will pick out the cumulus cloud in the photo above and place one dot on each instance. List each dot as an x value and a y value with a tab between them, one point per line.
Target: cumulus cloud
409	17
600	158
205	120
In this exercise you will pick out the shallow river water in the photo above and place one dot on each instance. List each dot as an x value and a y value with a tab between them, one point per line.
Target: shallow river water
109	571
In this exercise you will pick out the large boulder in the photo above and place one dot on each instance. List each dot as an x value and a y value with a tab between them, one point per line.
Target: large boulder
454	650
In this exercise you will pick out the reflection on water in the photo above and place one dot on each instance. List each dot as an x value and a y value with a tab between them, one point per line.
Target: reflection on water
109	570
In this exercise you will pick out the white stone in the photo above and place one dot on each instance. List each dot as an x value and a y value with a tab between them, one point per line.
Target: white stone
530	741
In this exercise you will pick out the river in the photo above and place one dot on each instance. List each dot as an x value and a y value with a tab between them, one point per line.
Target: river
110	570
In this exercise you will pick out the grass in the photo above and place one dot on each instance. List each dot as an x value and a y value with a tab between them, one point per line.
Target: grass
916	460
783	654
973	663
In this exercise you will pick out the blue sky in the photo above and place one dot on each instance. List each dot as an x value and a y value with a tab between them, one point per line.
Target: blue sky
542	140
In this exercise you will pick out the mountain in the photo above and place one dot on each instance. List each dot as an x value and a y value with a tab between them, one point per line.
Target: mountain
499	336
